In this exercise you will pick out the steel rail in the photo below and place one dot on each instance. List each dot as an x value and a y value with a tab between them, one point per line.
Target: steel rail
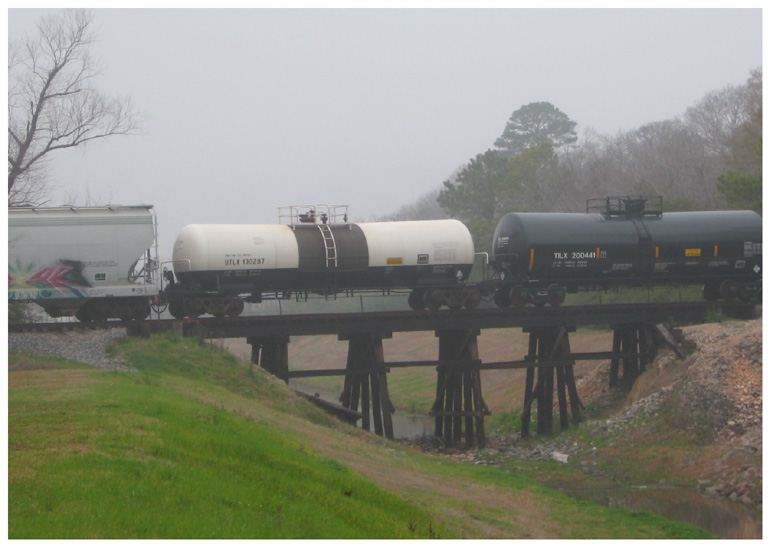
386	323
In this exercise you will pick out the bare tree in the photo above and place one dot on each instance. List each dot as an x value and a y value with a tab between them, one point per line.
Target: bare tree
51	102
721	113
716	116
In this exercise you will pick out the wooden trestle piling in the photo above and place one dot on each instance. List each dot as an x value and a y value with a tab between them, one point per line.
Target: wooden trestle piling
272	354
459	408
367	388
633	346
549	353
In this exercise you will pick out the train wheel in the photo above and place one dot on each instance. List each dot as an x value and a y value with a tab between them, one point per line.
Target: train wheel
99	311
454	299
556	295
473	300
176	309
502	298
82	314
744	294
432	299
520	296
122	310
728	290
215	306
236	307
193	308
417	299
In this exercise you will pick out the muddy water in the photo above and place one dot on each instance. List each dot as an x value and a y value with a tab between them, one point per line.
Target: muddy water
411	426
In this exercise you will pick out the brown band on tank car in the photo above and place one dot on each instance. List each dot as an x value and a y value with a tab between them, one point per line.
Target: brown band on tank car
349	248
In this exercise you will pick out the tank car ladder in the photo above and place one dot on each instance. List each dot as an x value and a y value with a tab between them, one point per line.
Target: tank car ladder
329	245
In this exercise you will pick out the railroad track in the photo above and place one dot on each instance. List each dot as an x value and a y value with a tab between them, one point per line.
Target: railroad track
42	328
398	321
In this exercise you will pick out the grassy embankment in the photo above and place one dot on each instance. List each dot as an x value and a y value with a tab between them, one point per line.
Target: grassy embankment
197	445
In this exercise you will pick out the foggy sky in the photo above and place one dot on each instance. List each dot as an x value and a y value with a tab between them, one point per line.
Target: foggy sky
243	111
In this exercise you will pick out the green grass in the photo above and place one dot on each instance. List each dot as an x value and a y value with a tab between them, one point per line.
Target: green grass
122	455
189	447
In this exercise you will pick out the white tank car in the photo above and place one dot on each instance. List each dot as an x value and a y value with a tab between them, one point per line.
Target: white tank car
93	262
223	261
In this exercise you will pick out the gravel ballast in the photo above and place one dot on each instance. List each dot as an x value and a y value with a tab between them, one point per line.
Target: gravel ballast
88	347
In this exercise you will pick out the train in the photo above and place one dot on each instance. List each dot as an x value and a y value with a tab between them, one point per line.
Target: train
94	263
626	241
317	250
101	263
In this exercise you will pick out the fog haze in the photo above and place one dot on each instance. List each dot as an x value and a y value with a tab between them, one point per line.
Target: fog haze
243	111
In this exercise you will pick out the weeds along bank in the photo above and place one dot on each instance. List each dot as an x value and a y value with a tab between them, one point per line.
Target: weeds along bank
686	441
193	443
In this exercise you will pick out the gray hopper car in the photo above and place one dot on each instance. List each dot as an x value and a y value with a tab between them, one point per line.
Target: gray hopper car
95	263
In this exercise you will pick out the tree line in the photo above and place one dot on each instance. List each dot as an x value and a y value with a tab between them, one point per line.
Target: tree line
709	158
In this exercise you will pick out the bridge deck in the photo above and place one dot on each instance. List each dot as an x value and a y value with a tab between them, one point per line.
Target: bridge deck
401	321
404	321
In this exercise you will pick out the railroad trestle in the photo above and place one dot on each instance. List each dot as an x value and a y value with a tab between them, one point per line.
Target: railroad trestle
459	408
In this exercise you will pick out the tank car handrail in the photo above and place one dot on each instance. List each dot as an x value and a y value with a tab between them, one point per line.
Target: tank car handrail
294	215
626	206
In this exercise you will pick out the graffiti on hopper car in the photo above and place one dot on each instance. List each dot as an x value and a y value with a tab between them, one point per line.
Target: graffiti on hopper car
64	279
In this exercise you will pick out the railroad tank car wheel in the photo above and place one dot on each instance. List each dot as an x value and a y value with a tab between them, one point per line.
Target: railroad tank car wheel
473	299
502	298
744	294
176	309
728	290
520	296
433	299
556	294
193	308
215	306
416	299
236	307
455	299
